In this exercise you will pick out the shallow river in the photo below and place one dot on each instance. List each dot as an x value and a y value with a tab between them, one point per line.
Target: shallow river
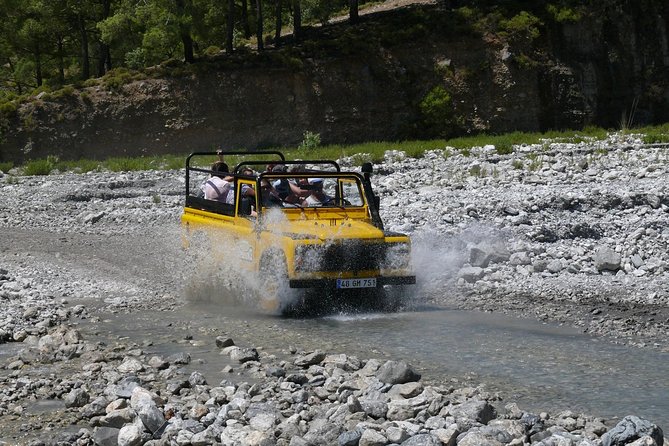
539	366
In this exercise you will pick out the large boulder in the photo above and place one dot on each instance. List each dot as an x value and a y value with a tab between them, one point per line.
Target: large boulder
397	372
630	429
606	259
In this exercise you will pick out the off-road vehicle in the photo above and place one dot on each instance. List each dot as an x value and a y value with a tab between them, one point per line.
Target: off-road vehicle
300	225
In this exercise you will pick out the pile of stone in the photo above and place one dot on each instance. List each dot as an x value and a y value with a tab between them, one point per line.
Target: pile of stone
129	398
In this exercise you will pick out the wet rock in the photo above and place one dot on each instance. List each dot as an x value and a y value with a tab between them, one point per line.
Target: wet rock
77	398
222	342
310	359
243	354
397	372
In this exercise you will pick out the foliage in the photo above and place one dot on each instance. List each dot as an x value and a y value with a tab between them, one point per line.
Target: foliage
437	110
374	151
310	141
564	14
523	26
40	166
5	167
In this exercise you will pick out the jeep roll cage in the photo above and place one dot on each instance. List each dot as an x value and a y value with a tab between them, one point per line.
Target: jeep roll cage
228	209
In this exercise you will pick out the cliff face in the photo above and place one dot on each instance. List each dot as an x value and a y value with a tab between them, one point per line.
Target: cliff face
608	69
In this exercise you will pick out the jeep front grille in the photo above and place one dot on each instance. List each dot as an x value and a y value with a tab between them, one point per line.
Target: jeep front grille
351	255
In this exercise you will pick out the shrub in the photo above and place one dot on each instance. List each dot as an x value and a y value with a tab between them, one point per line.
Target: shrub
524	25
563	14
310	141
4	167
40	166
437	110
7	108
66	91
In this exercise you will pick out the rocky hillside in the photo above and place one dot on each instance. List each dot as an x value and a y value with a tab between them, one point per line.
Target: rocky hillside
413	72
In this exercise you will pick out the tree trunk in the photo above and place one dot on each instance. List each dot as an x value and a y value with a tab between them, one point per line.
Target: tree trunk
184	31
353	11
229	40
245	20
104	59
60	55
277	33
38	66
297	21
85	63
259	27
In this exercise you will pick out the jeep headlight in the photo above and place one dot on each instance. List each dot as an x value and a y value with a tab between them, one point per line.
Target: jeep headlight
398	256
308	257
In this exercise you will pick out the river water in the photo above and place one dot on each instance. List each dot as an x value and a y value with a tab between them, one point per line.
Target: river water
539	366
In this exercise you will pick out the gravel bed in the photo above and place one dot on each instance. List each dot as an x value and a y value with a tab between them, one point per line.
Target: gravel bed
569	233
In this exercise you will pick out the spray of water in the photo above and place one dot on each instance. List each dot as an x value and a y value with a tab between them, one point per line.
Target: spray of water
437	257
219	270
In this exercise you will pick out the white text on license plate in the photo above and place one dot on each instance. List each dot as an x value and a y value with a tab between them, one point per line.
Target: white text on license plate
356	283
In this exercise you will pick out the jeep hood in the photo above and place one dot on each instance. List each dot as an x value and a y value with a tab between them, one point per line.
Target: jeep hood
327	229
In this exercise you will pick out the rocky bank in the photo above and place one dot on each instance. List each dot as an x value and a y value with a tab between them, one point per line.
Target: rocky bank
571	233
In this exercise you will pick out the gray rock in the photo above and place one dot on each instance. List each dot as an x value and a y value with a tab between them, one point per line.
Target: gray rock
243	354
158	362
397	372
197	379
130	435
607	259
479	411
222	342
106	436
350	438
310	359
632	428
118	418
422	440
322	432
77	398
374	408
143	403
370	437
470	273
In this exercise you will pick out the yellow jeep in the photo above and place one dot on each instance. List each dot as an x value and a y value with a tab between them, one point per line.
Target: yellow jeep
301	225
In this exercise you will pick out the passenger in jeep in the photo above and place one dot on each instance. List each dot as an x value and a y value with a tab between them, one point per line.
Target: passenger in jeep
219	185
317	196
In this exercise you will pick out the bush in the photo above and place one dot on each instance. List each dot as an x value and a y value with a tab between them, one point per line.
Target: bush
564	15
40	166
310	141
4	167
437	110
523	25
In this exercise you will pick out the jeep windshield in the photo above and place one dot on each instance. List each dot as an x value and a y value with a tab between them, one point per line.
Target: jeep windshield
316	189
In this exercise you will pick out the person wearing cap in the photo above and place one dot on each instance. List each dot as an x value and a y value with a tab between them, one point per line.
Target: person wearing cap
317	196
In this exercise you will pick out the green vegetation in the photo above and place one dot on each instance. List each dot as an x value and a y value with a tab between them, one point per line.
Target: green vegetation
310	142
362	152
41	166
654	135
